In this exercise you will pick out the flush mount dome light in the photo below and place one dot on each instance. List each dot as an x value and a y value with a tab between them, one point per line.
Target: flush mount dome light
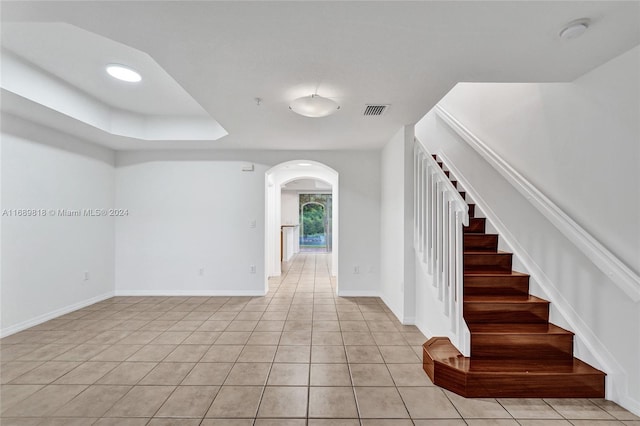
304	164
314	106
575	29
123	73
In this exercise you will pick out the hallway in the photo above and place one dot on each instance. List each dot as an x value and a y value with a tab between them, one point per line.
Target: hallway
300	354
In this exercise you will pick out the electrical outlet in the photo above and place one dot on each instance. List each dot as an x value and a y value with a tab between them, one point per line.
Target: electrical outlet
86	276
201	272
252	224
356	269
252	269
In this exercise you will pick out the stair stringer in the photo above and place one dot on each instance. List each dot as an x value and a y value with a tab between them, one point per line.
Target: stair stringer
587	346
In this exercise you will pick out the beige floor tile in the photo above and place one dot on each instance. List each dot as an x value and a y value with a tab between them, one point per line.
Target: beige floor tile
187	353
236	402
215	325
248	373
222	353
350	316
87	373
140	338
381	326
275	316
280	422
478	408
82	352
399	354
615	410
358	326
173	422
295	338
45	353
117	353
289	375
266	325
578	409
389	422
233	338
154	353
357	338
141	401
259	353
46	373
333	422
297	325
171	338
68	421
44	401
12	394
12	369
188	401
380	403
363	355
206	373
438	422
370	375
326	338
545	422
427	403
227	422
127	373
409	375
94	401
383	338
202	338
529	408
492	422
295	354
241	325
264	338
326	326
330	375
332	402
328	354
167	373
283	401
121	422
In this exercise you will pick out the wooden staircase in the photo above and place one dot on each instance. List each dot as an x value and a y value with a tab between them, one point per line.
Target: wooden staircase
515	351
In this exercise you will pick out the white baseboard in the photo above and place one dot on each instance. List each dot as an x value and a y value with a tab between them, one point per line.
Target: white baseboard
409	321
190	293
7	331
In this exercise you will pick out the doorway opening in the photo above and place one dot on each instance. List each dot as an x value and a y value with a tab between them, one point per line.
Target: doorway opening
301	214
315	223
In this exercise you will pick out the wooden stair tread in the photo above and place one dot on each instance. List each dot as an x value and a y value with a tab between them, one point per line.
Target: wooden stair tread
505	299
518	367
500	274
517	328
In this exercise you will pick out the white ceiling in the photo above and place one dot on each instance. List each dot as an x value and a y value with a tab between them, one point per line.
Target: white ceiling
407	54
307	185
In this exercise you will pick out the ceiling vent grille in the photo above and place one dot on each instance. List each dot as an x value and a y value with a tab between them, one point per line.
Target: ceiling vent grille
375	110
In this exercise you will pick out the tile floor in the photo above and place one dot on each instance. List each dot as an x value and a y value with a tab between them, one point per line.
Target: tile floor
299	356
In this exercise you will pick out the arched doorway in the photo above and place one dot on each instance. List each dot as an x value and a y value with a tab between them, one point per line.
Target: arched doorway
275	179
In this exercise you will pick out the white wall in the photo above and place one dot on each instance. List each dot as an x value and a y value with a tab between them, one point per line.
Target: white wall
290	214
578	144
396	225
44	259
192	210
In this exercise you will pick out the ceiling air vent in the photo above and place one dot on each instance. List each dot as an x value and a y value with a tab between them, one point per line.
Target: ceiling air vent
371	110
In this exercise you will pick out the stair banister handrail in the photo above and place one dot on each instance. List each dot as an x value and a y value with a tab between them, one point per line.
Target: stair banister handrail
440	214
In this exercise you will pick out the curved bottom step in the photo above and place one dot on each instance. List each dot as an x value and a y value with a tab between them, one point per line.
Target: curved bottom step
487	378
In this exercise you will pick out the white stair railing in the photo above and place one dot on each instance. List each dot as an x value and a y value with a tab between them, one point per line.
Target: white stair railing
440	212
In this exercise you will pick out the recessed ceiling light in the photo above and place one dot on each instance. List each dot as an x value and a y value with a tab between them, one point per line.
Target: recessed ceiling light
574	29
314	106
304	164
123	73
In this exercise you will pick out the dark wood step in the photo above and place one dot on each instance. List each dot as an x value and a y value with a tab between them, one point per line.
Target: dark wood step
485	284
472	209
520	341
463	194
454	183
502	309
476	225
491	378
481	242
482	261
